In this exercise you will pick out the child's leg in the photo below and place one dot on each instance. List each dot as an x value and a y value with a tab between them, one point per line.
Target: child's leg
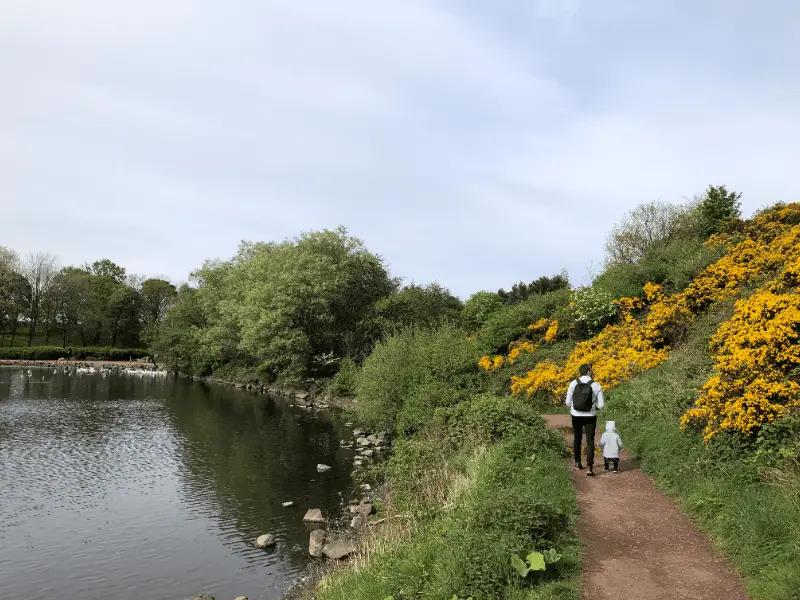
605	464
616	465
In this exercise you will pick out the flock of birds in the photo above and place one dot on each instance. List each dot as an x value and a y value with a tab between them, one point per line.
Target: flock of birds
104	372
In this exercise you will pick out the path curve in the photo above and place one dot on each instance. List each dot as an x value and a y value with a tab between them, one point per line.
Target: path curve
638	543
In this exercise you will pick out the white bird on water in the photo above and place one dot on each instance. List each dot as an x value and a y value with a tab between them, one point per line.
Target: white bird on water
30	373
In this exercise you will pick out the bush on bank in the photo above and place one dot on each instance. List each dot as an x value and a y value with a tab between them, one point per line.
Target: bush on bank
72	353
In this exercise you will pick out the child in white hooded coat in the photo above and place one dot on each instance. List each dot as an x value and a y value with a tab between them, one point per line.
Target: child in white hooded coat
611	444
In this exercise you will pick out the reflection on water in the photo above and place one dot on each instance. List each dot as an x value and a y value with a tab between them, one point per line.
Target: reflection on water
155	490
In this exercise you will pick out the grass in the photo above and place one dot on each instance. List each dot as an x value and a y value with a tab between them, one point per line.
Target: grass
756	524
458	512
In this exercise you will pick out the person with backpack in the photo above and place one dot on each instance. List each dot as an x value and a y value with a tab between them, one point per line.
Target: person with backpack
584	398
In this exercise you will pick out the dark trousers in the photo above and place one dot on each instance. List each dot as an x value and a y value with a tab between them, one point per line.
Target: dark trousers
611	461
579	424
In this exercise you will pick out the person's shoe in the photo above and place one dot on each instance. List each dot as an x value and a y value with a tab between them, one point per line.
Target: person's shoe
616	471
579	466
606	469
590	471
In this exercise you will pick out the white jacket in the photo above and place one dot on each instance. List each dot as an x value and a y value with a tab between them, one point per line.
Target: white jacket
597	398
610	442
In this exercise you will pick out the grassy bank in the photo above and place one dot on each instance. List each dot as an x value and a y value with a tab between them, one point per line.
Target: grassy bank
72	353
747	502
474	479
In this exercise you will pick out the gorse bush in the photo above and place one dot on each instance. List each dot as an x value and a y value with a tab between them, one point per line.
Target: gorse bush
511	323
413	372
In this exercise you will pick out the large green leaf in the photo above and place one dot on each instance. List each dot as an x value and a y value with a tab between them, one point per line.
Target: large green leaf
519	565
536	561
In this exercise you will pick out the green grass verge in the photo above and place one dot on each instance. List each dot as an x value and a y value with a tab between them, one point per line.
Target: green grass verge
755	524
467	509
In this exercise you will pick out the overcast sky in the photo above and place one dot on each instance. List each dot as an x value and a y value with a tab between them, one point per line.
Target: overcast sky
470	142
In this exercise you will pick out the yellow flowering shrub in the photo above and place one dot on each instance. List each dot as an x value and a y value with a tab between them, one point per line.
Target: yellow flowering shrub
487	363
540	324
552	332
518	348
755	352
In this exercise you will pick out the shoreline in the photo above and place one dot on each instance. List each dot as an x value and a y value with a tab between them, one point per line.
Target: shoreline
22	362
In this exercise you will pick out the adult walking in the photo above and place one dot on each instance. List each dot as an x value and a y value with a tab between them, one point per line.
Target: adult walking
584	397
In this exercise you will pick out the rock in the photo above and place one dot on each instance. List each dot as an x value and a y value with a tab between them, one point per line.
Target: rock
373	441
316	542
348	424
363	510
314	515
367	453
265	541
338	549
357	522
241	598
301	395
358	432
203	597
365	486
287	504
322	468
357	463
363	442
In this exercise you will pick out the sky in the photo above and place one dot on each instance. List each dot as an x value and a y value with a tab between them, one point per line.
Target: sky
472	143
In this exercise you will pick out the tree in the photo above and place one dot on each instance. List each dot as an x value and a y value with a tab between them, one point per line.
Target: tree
717	209
645	227
478	308
521	291
418	305
106	268
122	310
157	297
39	270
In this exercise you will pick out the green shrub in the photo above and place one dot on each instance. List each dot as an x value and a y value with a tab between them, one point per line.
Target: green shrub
72	353
344	382
488	418
511	323
479	307
411	373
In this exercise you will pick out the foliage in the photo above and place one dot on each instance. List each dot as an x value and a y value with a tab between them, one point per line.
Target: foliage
291	308
413	372
492	501
717	209
753	523
522	291
756	352
592	309
511	323
71	353
344	382
417	305
646	228
478	308
487	418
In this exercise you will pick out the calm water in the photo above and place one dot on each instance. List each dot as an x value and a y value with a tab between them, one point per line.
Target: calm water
125	488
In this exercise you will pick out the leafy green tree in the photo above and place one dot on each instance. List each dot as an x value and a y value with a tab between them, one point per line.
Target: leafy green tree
645	228
122	310
157	297
718	209
106	268
418	305
522	291
478	308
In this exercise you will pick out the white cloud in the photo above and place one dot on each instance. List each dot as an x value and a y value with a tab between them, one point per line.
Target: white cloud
463	142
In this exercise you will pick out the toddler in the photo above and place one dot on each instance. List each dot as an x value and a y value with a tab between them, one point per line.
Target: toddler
611	444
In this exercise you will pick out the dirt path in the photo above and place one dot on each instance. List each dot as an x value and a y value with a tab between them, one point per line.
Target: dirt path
638	544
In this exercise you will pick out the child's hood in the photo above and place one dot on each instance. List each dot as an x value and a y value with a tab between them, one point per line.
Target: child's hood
611	427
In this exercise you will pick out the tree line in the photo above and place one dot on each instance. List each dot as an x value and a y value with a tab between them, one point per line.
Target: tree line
96	304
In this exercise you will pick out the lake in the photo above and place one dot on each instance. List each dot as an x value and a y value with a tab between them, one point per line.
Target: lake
155	489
